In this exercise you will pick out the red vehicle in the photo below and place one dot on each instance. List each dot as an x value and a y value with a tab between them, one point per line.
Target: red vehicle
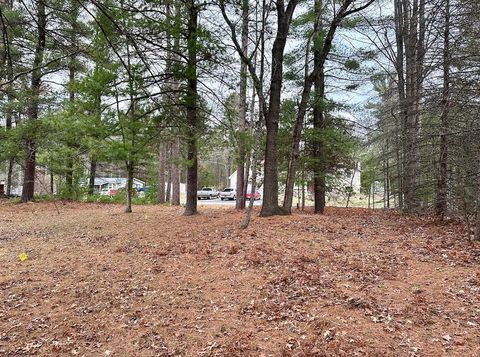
256	196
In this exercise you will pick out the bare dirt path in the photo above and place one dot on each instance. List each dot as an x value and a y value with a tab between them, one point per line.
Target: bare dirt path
98	282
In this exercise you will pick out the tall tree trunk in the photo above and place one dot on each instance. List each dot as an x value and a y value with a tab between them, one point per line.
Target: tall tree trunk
93	173
369	193
240	201
256	150
296	136
414	54
72	68
321	51
387	176
303	188
175	151
400	33
69	177
270	205
247	170
251	129
32	112
162	155
8	183
350	190
441	201
175	172
52	186
29	172
191	109
284	17
399	166
229	167
92	154
373	195
9	74
168	192
129	187
8	126
319	183
8	191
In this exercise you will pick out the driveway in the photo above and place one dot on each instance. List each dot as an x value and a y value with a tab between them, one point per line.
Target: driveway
218	201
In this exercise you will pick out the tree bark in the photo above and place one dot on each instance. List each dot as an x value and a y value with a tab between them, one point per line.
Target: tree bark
93	173
399	67
8	190
414	39
129	187
69	177
296	136
349	193
318	146
251	130
284	17
256	149
32	111
441	201
242	111
270	205
321	52
229	167
247	170
386	194
168	192
52	186
176	172
8	183
92	154
9	74
72	68
162	157
191	109
303	189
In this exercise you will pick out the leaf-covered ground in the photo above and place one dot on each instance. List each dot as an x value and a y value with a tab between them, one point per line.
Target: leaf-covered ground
98	282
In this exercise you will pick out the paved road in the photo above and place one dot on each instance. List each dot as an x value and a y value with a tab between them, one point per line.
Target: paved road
218	201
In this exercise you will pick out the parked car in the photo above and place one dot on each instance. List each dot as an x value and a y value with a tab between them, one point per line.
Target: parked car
208	193
228	193
141	191
256	196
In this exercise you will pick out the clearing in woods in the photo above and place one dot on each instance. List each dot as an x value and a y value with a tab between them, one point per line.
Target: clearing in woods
98	282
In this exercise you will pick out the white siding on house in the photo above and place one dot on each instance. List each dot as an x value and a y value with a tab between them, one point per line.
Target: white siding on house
233	181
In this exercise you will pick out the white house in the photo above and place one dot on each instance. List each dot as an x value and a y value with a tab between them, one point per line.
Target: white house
232	181
107	183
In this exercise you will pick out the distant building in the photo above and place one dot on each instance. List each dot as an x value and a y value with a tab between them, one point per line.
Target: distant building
114	183
43	181
232	181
